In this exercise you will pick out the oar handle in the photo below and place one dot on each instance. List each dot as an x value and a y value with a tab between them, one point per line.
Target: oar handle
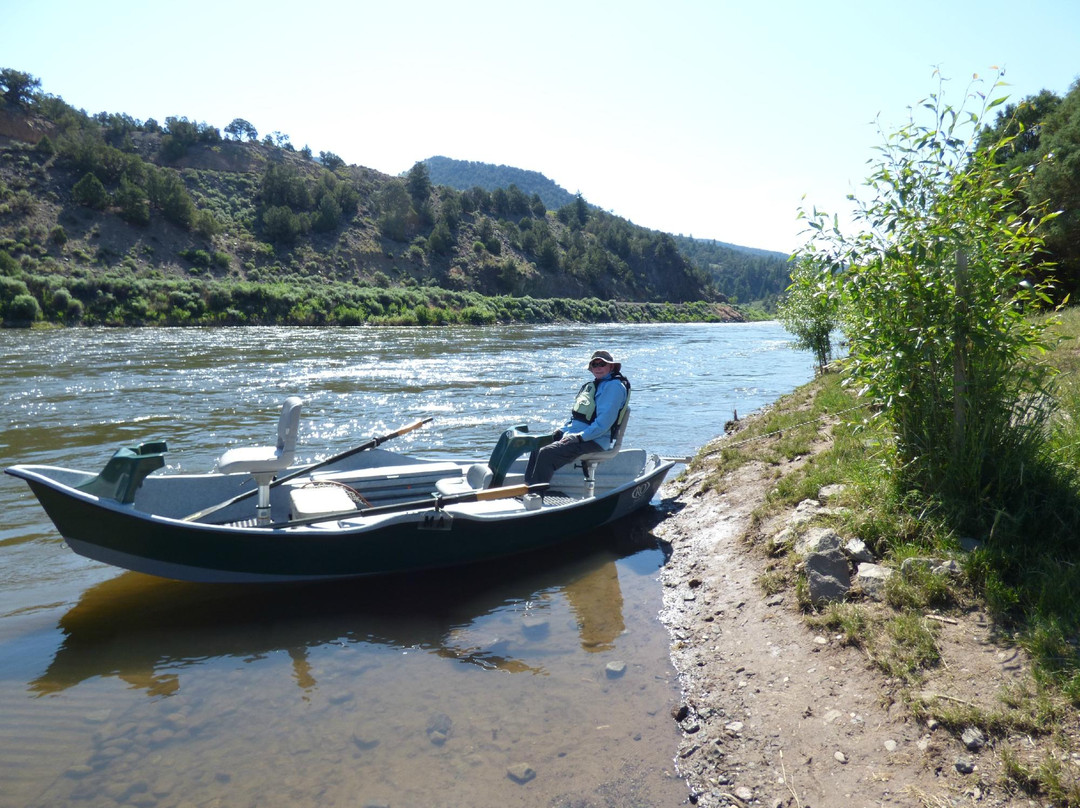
500	493
371	444
419	422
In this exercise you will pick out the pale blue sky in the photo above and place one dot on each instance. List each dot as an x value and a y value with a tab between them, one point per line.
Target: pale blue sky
708	118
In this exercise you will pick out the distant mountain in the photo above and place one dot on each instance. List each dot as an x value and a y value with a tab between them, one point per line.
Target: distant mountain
741	274
745	274
465	174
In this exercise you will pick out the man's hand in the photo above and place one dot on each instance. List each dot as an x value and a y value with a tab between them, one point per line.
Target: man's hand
574	437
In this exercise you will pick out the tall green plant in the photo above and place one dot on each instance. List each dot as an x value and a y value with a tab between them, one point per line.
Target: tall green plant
809	310
934	299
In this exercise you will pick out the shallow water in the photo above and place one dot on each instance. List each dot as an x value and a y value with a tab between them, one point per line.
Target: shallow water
533	682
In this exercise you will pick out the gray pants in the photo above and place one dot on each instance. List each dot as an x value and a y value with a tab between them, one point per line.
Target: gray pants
544	463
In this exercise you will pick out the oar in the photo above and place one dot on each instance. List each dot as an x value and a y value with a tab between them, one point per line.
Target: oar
371	444
436	502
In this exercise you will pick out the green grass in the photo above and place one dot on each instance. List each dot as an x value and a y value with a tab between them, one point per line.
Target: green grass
1025	571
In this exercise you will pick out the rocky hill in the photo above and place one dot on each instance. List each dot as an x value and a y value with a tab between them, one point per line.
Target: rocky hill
743	274
85	198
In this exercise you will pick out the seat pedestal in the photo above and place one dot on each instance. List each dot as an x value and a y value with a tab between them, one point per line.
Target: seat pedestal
262	499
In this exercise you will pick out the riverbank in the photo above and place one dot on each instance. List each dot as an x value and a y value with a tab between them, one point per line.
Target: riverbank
782	709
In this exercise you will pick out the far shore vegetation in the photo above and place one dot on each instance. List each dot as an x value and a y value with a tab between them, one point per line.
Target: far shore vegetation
124	300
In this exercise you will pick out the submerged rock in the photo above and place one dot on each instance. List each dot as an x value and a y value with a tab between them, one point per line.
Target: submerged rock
521	772
613	670
439	728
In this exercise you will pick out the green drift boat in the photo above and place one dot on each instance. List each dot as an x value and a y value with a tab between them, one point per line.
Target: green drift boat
367	511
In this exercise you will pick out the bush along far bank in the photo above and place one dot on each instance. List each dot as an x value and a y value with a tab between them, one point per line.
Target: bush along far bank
128	301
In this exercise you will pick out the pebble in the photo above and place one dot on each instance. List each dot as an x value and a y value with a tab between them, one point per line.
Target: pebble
363	743
615	669
890	746
973	738
439	728
743	793
965	765
840	757
521	773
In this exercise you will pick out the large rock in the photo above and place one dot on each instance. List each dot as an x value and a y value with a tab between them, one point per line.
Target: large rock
819	540
828	575
872	578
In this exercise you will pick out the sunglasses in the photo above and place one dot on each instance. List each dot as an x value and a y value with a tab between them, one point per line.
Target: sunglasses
598	363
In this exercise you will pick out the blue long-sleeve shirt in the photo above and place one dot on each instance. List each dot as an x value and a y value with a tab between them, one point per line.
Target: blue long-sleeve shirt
610	398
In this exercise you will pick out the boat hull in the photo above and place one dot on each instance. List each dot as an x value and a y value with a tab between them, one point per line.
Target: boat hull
127	537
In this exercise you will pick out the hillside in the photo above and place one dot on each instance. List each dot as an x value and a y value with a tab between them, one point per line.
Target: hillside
742	274
106	219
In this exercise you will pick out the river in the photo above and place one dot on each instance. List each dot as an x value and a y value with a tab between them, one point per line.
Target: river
487	687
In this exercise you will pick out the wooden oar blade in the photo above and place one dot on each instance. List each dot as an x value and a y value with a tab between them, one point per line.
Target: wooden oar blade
419	422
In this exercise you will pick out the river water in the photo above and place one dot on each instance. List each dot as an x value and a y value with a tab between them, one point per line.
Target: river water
495	686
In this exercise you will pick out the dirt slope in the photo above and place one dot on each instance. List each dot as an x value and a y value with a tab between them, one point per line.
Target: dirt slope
774	714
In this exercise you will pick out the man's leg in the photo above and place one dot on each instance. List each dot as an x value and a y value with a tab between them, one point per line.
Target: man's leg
543	464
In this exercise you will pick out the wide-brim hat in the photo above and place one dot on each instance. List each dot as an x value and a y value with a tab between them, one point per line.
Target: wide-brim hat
607	357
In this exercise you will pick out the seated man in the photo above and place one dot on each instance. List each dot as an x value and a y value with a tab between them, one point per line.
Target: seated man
598	408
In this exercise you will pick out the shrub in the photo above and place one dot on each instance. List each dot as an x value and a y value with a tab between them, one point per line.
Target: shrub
941	249
24	309
90	193
45	147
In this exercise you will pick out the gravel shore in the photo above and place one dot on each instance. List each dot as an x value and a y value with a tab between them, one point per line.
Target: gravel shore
772	713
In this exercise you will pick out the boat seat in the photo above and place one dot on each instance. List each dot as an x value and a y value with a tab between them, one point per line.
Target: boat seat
477	477
589	461
264	463
513	443
125	471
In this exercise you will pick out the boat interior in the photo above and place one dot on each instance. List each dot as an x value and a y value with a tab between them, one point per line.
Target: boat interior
375	478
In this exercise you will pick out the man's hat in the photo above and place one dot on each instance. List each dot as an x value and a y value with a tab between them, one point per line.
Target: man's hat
606	357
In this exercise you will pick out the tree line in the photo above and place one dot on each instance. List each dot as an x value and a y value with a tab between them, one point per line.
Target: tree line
233	207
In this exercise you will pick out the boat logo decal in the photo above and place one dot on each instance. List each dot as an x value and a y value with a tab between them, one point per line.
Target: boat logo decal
641	491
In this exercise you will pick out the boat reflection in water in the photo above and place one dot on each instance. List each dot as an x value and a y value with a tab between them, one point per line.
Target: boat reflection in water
147	631
388	691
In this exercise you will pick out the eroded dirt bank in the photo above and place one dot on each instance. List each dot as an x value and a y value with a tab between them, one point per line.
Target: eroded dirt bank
774	714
